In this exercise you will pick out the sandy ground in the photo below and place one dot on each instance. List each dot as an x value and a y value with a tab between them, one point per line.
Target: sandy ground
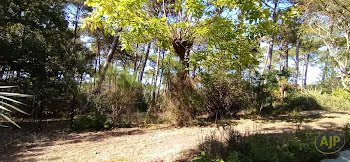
151	144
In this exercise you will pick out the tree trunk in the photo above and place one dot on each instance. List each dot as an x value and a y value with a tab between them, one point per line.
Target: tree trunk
76	24
97	57
281	61
346	70
182	49
306	68
325	70
1	72
145	61
286	59
161	73
136	60
156	76
269	54
297	64
106	64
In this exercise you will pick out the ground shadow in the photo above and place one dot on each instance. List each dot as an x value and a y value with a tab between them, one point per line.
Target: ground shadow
15	142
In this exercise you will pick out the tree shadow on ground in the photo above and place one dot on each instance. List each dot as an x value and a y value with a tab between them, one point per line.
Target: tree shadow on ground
296	117
292	109
18	145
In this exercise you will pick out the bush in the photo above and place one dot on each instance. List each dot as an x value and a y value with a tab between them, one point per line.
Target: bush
268	89
224	96
330	102
182	99
121	105
311	100
94	121
298	102
261	147
341	93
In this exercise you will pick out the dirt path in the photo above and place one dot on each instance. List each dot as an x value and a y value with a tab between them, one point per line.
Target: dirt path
144	144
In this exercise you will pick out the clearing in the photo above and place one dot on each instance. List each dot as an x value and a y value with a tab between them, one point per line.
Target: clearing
149	144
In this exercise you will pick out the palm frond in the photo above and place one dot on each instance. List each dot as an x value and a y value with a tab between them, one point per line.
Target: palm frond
8	119
13	107
14	94
4	108
5	104
7	87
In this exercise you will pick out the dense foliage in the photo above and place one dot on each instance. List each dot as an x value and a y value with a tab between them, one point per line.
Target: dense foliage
100	64
119	63
297	146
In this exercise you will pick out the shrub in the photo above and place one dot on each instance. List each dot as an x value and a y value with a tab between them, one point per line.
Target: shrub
330	102
182	99
224	96
94	121
268	89
341	93
121	105
312	100
298	102
261	147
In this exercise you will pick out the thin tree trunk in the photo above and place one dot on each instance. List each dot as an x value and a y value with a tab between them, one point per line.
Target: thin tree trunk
269	55
306	68
325	70
106	64
297	64
156	75
145	61
161	73
139	63
76	25
18	74
346	70
73	101
96	60
286	59
135	60
1	71
281	61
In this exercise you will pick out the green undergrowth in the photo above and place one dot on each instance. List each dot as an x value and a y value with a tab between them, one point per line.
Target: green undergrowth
296	146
